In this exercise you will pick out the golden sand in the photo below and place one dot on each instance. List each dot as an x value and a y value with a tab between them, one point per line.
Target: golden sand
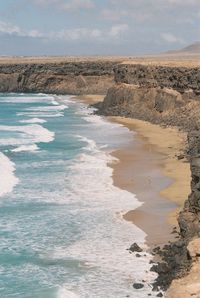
149	168
170	142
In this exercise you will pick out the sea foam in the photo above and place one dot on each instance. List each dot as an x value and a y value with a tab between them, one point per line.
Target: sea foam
33	120
63	293
7	177
23	148
35	132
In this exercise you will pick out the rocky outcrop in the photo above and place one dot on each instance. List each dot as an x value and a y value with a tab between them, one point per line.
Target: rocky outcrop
167	96
189	286
181	79
60	78
145	92
154	104
189	218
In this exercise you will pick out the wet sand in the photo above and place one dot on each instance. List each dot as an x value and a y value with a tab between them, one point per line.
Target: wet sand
90	99
149	168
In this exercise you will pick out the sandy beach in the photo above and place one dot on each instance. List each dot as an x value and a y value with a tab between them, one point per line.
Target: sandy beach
149	167
90	99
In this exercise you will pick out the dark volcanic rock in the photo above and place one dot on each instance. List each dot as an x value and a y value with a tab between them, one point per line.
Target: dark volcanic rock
138	255
178	78
189	217
138	286
59	78
175	264
135	248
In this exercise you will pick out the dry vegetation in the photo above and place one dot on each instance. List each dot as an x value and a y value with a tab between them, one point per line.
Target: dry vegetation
186	60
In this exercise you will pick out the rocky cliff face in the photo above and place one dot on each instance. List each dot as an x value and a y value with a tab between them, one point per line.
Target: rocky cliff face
182	79
60	78
189	218
159	94
154	104
167	96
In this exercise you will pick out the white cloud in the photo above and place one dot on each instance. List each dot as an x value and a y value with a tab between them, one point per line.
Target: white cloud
7	28
74	34
67	5
114	32
117	30
170	38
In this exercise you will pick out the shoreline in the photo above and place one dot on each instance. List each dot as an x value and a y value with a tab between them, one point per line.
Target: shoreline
159	174
165	185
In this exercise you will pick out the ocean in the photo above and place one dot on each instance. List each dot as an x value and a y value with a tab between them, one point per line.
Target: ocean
61	229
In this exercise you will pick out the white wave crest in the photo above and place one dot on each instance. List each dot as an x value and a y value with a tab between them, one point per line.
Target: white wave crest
63	293
8	180
26	99
33	120
36	133
22	148
48	108
40	114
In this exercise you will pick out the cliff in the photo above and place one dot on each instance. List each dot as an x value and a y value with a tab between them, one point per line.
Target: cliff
159	94
82	77
181	79
167	96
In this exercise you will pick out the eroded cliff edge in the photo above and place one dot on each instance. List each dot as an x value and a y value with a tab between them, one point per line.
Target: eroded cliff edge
167	96
70	77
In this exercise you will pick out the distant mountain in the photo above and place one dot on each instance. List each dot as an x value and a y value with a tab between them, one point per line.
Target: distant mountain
191	49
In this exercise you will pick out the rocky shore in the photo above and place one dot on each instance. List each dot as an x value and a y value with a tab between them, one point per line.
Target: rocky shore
168	96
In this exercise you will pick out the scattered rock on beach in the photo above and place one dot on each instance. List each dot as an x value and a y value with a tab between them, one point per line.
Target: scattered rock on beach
181	156
138	255
135	248
138	286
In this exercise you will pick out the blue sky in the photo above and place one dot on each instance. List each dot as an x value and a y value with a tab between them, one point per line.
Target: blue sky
94	27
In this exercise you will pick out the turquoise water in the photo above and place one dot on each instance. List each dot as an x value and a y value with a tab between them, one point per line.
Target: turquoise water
61	229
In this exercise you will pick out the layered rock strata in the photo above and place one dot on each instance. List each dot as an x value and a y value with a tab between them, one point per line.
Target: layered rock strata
60	78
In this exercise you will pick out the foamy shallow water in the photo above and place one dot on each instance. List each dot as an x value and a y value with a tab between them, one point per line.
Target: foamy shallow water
62	232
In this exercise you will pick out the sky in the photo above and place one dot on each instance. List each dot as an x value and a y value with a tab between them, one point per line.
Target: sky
97	27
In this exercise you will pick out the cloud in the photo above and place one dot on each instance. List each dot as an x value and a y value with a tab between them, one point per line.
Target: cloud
67	5
74	34
152	10
115	32
170	38
9	29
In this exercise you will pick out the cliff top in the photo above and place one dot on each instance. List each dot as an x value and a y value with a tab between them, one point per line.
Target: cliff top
161	60
190	61
57	59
